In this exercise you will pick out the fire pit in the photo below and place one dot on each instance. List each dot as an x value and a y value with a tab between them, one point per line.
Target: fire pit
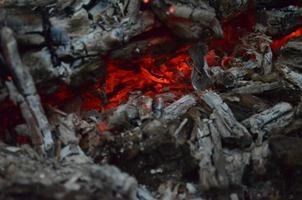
152	99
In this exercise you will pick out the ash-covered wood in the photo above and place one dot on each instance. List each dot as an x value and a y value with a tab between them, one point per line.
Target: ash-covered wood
291	53
281	21
217	142
24	171
23	92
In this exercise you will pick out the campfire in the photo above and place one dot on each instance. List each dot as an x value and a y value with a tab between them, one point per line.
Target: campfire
150	99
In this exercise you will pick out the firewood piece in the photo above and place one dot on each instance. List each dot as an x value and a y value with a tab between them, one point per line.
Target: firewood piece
25	85
35	132
200	76
178	108
291	54
208	143
257	45
100	40
122	116
281	21
275	118
292	76
229	77
21	21
230	129
229	9
244	105
29	171
259	157
193	18
257	87
218	167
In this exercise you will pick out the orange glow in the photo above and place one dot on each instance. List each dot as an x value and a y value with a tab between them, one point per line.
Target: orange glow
102	126
146	75
277	44
212	58
171	10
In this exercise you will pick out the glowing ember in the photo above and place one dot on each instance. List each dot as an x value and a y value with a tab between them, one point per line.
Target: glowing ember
148	77
277	44
170	10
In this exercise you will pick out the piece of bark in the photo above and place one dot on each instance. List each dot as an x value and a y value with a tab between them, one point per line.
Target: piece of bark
25	86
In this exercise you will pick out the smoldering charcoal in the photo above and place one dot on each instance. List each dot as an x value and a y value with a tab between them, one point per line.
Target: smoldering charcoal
151	99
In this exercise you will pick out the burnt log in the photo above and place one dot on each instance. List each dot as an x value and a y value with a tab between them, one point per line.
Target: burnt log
291	54
188	20
25	171
283	21
25	88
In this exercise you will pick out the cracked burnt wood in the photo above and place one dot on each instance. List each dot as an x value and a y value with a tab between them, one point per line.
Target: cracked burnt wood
272	119
25	88
70	35
225	122
291	54
24	174
200	77
279	22
32	127
72	42
257	87
188	20
222	162
292	76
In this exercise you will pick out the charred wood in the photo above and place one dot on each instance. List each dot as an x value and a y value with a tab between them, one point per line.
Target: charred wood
275	118
281	21
25	87
291	54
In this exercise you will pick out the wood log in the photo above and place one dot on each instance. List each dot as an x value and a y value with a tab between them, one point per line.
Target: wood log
253	87
178	108
291	54
25	171
275	118
26	87
188	20
280	22
200	75
225	122
292	76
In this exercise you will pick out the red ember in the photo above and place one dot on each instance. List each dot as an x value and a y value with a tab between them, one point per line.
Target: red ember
277	44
